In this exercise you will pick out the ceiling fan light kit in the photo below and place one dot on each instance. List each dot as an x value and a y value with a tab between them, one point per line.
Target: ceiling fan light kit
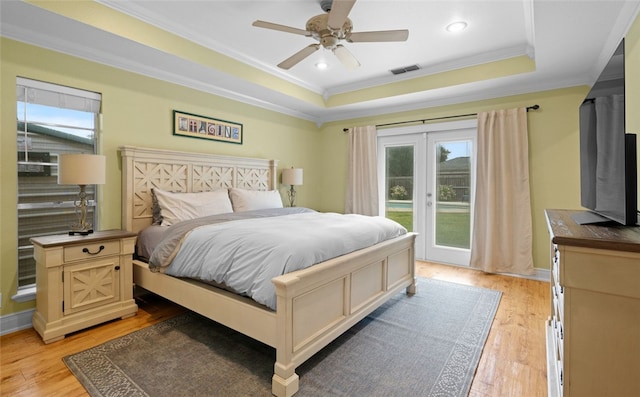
457	26
322	65
331	28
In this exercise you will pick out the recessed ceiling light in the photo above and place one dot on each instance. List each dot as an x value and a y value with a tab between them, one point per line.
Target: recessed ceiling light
322	65
457	26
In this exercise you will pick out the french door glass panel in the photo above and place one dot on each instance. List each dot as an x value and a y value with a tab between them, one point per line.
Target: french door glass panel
398	159
399	185
450	187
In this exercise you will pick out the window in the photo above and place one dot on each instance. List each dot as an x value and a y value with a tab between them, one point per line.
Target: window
51	120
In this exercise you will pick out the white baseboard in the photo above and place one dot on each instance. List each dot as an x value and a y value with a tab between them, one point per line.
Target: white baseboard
539	275
16	321
542	275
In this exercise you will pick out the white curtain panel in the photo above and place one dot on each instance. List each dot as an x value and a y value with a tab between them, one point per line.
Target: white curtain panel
502	232
362	178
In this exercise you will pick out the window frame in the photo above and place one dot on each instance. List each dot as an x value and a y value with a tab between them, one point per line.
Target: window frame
33	92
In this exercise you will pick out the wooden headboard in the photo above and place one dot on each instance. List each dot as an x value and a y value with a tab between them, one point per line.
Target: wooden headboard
146	168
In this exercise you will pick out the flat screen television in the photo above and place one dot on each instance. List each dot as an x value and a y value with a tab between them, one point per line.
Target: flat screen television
608	155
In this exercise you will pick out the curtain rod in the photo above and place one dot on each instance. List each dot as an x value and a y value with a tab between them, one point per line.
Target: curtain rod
534	107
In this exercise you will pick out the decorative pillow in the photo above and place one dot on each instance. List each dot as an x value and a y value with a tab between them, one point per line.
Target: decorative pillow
247	200
177	207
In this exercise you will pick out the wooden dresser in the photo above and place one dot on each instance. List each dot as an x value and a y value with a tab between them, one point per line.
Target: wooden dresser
593	333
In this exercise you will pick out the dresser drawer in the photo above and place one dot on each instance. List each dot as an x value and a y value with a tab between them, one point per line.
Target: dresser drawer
560	340
91	250
554	332
560	292
601	271
555	268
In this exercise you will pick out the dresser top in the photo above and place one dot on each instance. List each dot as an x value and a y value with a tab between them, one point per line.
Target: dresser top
565	231
64	239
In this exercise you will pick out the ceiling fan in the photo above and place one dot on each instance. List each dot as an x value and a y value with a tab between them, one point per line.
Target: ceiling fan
329	29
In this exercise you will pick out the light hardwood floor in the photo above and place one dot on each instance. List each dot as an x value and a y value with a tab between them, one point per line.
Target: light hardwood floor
513	361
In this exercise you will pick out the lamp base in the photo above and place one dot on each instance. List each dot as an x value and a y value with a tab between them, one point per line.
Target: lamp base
292	196
80	232
83	227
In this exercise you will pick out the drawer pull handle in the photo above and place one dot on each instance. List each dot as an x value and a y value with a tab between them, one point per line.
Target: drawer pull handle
86	250
117	268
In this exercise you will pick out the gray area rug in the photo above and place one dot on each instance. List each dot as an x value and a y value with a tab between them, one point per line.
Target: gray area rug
428	344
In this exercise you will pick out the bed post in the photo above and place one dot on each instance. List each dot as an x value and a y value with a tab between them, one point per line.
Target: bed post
281	387
127	190
412	288
273	172
284	382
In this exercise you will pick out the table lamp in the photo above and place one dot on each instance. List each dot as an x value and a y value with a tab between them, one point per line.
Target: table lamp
292	177
81	170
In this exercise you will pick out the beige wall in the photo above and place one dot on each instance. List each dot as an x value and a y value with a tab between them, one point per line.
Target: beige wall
137	111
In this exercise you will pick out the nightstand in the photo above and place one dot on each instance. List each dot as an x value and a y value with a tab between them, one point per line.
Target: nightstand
82	281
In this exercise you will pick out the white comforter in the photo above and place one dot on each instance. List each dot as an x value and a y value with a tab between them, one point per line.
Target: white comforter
246	254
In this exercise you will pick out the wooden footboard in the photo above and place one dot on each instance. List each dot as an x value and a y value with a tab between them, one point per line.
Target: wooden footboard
318	304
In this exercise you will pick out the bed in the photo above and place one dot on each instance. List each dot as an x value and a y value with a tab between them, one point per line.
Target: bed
314	305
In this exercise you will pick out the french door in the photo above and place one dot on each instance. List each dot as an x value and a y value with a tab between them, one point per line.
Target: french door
427	179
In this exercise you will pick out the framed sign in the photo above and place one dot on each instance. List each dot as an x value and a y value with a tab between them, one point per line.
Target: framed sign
194	126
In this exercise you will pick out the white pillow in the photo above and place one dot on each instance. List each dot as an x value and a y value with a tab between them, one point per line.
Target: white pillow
177	207
247	200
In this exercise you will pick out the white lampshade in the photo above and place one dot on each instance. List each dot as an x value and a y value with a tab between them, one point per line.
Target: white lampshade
292	176
81	169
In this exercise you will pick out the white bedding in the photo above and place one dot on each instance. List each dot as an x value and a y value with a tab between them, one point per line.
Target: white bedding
246	254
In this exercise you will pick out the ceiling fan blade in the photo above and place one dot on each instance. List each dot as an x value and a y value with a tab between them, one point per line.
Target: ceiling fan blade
347	59
282	28
298	56
339	13
377	36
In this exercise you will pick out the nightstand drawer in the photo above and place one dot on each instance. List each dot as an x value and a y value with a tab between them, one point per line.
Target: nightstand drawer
91	250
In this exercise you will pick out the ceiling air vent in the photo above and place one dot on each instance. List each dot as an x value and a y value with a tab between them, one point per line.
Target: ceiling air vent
405	69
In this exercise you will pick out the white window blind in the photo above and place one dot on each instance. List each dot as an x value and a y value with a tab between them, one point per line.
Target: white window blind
41	93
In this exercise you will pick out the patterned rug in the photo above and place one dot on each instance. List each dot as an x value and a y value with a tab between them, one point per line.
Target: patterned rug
428	344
